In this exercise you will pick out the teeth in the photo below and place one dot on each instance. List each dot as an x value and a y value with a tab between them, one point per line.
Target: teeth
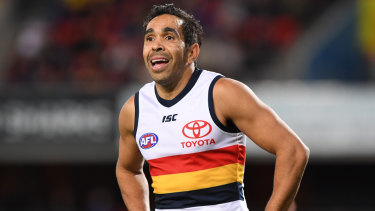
158	60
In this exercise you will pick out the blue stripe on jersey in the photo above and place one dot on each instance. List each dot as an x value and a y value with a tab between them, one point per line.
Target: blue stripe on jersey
231	128
168	103
203	197
136	113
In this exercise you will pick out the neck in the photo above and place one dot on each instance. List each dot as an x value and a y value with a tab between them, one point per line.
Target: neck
171	90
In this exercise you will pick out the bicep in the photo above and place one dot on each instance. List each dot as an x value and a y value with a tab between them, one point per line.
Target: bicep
129	157
251	116
266	129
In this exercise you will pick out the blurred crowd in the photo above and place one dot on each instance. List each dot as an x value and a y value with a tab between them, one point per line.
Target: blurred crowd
59	188
97	44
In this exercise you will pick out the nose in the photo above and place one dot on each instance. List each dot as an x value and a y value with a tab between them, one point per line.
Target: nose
157	45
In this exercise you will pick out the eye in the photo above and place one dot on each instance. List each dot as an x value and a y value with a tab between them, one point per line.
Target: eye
149	38
169	37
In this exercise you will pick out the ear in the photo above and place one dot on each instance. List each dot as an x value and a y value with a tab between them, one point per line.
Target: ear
193	53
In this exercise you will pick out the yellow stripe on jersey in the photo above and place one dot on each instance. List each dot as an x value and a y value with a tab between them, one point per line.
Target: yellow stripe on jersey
198	179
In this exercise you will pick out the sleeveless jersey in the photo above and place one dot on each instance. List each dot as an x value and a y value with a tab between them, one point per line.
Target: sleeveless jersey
195	162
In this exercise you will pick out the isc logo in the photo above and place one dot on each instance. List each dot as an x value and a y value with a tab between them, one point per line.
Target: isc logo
169	118
148	140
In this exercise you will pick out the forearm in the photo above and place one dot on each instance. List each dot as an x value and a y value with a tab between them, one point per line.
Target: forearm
289	169
134	189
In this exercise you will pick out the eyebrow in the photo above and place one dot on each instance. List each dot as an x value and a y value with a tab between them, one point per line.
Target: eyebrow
150	30
174	31
166	29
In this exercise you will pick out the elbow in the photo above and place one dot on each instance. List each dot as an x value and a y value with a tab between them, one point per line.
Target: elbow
122	169
302	154
306	152
297	154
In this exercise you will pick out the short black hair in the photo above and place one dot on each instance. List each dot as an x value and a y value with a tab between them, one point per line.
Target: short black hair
191	28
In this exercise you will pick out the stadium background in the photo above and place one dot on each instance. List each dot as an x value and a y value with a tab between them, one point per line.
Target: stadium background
67	66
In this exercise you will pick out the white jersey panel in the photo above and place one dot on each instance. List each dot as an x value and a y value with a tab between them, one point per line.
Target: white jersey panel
182	128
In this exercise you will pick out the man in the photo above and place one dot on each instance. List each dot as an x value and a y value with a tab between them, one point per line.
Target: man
190	125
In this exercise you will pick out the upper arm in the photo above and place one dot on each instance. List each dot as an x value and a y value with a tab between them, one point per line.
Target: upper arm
130	157
237	103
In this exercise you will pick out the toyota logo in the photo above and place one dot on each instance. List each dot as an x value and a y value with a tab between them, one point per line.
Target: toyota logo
196	129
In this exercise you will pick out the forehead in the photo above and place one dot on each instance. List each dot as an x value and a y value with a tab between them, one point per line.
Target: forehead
165	20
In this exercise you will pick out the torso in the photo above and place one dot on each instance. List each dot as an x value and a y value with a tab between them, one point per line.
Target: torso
194	160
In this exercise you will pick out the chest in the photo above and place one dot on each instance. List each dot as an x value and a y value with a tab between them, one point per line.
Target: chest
181	129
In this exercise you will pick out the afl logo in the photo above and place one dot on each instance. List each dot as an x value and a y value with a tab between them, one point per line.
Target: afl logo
148	140
197	129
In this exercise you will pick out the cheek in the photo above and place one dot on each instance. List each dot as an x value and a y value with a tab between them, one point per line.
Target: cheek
145	54
180	51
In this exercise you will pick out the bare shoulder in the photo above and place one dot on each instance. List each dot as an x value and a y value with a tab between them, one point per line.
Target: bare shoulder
230	88
232	98
236	102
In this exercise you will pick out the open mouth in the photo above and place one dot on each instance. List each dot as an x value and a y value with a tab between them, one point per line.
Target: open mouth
158	63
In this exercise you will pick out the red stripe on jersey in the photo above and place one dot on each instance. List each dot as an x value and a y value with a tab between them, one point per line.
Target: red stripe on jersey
197	161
